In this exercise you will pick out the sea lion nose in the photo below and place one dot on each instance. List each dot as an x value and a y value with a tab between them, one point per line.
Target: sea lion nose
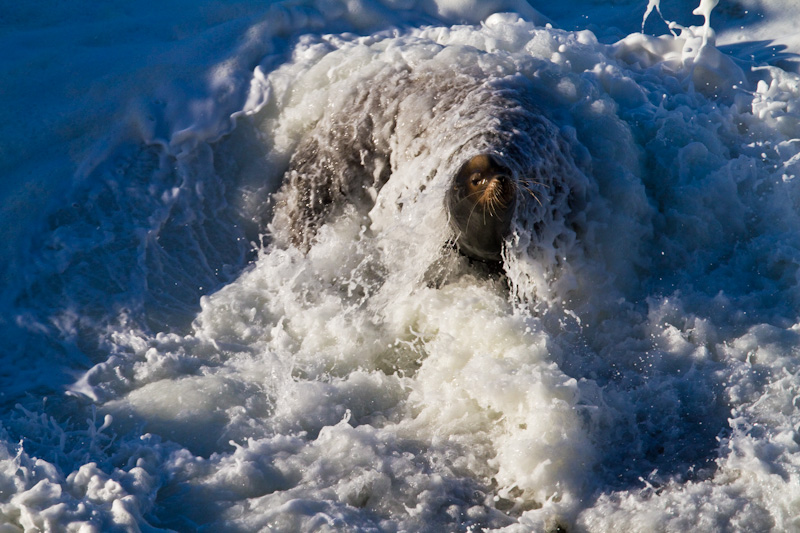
503	187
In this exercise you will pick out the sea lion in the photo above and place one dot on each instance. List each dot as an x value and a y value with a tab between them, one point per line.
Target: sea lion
482	143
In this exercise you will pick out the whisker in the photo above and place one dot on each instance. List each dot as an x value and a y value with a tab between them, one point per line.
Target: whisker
470	215
530	191
493	198
496	202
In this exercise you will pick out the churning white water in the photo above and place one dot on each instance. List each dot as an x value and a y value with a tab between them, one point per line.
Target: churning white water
175	361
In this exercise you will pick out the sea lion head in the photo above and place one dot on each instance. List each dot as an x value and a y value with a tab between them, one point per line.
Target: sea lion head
481	205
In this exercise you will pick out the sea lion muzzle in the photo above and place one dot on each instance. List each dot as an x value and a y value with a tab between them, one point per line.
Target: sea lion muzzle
481	204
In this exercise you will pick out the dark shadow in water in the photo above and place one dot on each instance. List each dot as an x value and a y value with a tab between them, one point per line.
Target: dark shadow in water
144	235
134	245
654	416
763	53
659	416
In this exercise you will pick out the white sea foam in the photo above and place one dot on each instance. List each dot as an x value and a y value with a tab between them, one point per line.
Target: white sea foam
635	368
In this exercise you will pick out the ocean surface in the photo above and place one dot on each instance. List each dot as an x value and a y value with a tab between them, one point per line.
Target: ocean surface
173	360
